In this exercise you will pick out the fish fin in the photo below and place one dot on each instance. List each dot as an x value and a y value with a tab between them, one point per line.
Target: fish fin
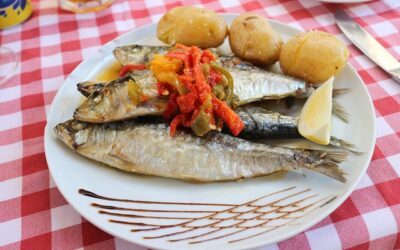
257	123
342	144
334	156
338	92
340	112
328	164
332	171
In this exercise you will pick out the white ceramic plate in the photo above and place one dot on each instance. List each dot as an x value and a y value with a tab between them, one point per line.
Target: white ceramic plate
72	172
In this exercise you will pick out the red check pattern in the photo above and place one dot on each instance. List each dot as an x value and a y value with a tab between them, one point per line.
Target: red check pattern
34	215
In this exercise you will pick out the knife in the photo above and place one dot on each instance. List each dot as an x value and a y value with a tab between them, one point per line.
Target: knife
367	44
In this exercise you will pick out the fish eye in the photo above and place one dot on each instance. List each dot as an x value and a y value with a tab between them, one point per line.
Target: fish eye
97	97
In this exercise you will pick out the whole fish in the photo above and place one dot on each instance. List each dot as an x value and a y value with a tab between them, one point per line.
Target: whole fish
147	148
251	83
113	103
259	123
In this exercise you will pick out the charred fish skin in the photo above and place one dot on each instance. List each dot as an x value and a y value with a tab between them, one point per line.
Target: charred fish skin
148	149
113	103
260	123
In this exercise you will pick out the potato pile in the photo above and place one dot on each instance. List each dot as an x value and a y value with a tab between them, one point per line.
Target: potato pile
314	56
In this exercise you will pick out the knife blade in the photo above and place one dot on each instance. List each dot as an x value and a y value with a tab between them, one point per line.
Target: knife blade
367	44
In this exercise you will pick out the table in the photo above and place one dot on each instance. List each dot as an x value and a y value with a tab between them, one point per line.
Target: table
34	215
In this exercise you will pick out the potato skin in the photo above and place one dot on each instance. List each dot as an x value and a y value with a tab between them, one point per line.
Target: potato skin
252	38
192	26
314	56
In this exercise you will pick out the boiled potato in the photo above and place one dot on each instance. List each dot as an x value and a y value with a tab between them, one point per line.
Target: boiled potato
192	26
252	38
314	56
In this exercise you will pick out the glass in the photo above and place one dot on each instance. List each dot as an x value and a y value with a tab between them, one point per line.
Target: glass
84	6
8	64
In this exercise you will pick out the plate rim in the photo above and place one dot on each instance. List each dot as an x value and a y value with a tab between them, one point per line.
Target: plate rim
252	244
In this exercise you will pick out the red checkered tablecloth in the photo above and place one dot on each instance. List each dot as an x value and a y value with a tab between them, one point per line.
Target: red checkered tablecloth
34	215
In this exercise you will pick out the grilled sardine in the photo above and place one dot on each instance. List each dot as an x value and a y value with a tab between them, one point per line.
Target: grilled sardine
251	83
259	123
113	103
149	149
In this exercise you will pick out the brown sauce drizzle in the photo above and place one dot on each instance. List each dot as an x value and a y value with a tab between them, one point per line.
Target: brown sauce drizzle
149	210
185	226
93	195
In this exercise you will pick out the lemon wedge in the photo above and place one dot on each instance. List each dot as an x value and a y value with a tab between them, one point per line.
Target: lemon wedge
316	116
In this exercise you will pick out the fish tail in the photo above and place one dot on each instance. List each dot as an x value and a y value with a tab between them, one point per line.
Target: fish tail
338	109
338	92
342	144
334	156
328	164
340	112
332	171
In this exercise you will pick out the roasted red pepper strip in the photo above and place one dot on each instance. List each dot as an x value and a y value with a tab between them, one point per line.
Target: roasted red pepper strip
215	77
172	107
164	89
177	121
144	98
197	107
186	79
181	56
177	55
181	46
201	84
192	118
186	102
207	56
232	120
131	67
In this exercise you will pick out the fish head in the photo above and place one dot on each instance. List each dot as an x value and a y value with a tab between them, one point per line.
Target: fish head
95	108
105	103
73	133
88	87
